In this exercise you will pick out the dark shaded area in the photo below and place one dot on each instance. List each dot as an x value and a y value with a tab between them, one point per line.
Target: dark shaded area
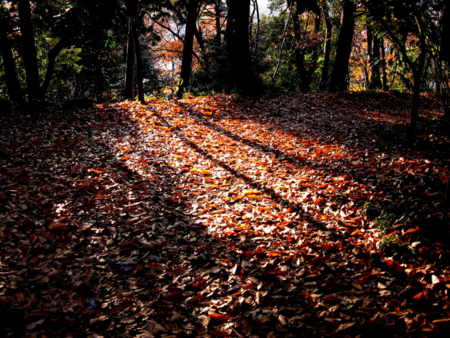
58	270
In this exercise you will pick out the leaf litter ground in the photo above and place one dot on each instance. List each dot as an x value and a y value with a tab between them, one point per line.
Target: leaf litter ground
219	216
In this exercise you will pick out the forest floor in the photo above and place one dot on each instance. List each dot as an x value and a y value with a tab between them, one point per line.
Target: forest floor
301	215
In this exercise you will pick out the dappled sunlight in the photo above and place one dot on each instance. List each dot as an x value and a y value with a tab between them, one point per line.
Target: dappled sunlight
327	179
202	216
280	195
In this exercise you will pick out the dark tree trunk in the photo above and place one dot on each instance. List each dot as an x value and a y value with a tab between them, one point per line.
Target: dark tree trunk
131	50
327	48
418	73
414	109
29	52
373	47
131	54
9	64
315	55
52	55
218	16
305	72
339	76
299	54
238	47
384	81
139	67
188	44
417	86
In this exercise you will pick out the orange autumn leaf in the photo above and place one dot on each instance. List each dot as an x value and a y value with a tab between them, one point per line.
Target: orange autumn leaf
201	171
421	295
412	230
219	316
96	170
319	200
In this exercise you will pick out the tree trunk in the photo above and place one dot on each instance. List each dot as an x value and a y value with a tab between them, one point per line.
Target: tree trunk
327	48
418	72
417	86
139	67
373	48
305	72
339	76
188	45
218	17
52	55
129	80
384	81
256	38
415	108
9	64
29	52
299	54
238	47
131	50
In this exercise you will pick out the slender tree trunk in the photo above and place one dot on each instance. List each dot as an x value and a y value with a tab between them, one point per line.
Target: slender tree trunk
258	25
384	81
339	76
9	64
245	81
131	52
29	52
139	67
418	71
188	45
417	87
299	54
305	72
52	55
281	47
373	47
415	107
198	34
218	17
327	48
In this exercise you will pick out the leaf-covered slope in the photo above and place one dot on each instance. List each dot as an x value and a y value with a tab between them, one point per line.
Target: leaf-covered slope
217	216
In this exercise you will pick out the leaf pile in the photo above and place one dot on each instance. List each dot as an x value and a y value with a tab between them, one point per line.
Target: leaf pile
216	216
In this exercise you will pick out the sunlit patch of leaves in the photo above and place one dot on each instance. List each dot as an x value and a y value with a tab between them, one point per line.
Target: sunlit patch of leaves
215	216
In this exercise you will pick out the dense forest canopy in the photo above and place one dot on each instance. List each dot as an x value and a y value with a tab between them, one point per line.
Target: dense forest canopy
101	49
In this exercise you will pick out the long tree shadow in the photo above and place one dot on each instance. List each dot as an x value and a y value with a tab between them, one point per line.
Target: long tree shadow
341	115
279	280
363	171
90	244
98	240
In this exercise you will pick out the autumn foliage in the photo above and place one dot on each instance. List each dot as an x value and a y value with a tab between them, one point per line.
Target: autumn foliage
220	216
